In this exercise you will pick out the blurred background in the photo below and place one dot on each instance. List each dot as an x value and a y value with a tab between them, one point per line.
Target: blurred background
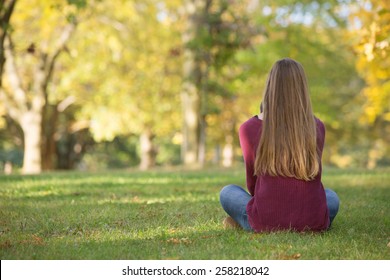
97	84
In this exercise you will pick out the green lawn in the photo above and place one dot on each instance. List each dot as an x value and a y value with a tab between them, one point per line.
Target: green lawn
176	215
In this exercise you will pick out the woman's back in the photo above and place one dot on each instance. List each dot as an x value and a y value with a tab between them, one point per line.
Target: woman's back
281	202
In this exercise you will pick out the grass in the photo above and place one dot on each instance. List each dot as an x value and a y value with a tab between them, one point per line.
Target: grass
176	215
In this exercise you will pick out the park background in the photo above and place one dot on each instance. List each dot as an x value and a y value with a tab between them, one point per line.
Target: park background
97	84
119	124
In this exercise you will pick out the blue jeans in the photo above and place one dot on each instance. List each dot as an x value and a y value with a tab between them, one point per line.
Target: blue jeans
234	200
333	202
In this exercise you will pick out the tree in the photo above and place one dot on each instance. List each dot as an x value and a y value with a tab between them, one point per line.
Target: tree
215	30
29	69
126	75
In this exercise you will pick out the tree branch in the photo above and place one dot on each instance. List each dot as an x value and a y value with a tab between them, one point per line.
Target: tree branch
5	15
45	68
64	104
19	98
60	46
10	107
6	10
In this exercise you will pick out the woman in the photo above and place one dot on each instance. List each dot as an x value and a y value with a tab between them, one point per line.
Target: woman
282	149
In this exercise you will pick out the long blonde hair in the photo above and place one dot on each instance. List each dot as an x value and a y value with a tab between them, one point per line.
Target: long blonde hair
288	145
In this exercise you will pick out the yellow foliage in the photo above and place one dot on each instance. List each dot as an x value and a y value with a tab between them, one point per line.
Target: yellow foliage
39	21
123	72
373	62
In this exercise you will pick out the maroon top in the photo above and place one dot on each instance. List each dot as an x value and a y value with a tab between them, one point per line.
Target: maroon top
282	202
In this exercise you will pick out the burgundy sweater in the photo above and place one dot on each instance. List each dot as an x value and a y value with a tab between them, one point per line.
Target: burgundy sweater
282	202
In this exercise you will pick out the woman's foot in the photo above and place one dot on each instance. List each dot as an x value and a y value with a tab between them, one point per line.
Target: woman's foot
228	222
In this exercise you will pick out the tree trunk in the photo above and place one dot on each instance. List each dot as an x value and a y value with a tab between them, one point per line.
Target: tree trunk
217	155
48	149
190	107
148	151
31	124
202	141
191	93
228	149
227	152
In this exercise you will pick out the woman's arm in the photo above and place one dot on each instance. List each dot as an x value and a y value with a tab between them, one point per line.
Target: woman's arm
249	158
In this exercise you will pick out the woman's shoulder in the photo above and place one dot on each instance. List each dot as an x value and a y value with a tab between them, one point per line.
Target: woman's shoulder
251	123
319	123
320	129
250	128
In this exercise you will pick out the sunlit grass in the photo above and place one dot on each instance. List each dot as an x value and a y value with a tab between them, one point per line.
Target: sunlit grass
176	215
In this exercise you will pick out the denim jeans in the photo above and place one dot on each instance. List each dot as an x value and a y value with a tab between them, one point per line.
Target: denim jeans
234	199
333	202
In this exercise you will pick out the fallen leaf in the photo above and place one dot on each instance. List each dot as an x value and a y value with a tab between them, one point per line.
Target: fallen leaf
120	222
35	240
210	236
173	241
6	244
289	257
296	256
179	240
